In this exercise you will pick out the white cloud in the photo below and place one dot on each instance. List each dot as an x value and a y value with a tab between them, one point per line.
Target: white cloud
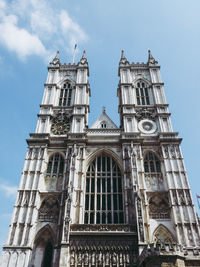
37	28
10	191
20	40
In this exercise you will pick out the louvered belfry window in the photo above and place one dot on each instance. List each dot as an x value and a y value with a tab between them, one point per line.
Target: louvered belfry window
65	95
142	94
103	192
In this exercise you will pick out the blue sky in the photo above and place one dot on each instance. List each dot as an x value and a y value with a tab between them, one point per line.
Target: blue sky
31	32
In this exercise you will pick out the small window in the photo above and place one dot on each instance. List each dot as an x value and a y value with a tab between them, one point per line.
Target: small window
103	125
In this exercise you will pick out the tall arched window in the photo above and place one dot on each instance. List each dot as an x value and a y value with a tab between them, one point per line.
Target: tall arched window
142	94
103	197
65	95
55	170
153	174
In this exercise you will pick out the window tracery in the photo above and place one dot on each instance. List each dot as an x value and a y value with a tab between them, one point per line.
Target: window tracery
49	210
55	172
142	93
103	197
65	95
152	171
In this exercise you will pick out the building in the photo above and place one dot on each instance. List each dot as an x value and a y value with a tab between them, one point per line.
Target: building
103	196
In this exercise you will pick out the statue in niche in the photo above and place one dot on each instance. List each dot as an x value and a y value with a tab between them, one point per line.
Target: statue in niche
86	259
114	258
93	258
72	259
166	152
133	157
79	259
120	259
107	258
172	151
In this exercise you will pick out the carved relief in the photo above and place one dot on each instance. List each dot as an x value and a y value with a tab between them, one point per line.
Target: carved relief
145	113
49	210
99	254
162	236
159	207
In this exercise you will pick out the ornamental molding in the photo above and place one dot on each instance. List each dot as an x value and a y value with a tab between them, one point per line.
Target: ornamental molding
145	113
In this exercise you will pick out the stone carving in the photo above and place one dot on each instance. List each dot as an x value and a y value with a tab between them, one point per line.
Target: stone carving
114	253
162	236
145	113
172	151
49	210
181	197
159	207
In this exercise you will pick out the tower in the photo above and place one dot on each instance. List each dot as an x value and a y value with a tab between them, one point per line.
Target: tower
103	196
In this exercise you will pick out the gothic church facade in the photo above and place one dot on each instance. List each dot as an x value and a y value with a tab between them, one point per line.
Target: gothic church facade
103	196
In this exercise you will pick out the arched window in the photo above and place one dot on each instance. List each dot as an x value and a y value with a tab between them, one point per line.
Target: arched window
103	197
65	95
142	94
153	174
54	174
151	163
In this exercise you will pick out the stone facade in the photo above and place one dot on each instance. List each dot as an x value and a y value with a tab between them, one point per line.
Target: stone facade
103	196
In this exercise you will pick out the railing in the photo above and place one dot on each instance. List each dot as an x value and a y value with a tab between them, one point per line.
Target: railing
103	131
159	216
102	228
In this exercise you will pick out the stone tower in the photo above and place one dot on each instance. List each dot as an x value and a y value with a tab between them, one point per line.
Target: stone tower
103	196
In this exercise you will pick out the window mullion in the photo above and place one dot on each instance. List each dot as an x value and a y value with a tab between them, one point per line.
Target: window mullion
111	181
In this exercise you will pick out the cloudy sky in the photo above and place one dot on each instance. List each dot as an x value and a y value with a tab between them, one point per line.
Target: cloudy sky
30	33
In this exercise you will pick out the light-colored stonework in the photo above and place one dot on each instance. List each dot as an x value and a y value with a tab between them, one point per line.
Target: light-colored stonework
103	196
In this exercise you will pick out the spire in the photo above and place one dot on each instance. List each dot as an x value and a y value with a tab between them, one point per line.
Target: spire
84	54
56	59
122	55
103	109
83	60
151	59
123	59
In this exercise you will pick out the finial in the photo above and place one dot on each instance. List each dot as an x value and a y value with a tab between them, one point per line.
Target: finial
84	54
57	55
103	109
122	55
56	59
151	59
150	55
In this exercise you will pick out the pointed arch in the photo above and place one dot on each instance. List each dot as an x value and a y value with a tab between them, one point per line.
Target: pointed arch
107	151
163	236
103	190
55	171
49	210
153	171
45	234
141	79
65	80
143	92
42	255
